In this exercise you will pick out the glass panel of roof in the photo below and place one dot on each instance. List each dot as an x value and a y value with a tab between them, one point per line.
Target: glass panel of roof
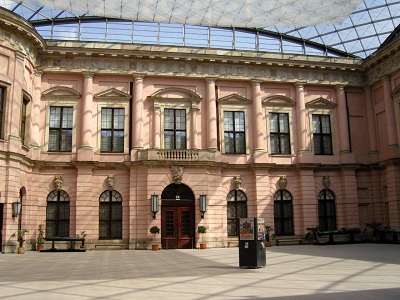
93	31
66	32
269	44
118	31
146	33
245	40
329	39
171	34
44	31
384	26
290	47
196	36
308	32
221	38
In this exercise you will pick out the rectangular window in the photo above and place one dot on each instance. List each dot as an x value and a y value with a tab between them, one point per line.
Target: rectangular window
2	104
112	129
234	132
321	126
175	129
22	132
60	129
279	133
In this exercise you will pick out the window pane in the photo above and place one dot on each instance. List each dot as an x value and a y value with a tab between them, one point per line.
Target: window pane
118	143
285	144
119	118
316	124
67	121
232	227
54	140
180	119
104	228
106	118
241	209
327	144
240	143
284	123
317	144
326	126
231	210
105	140
55	117
104	211
181	140
116	211
229	142
239	121
228	121
66	140
169	119
169	140
273	122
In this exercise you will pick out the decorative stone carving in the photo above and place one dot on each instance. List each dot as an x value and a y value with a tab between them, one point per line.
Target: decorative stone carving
110	182
237	182
282	182
58	182
177	173
326	182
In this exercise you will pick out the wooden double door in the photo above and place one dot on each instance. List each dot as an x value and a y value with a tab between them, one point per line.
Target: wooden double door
177	229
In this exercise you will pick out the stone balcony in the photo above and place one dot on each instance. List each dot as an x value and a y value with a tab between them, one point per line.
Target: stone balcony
176	155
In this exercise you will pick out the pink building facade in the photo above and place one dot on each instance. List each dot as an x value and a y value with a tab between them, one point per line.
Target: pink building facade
90	132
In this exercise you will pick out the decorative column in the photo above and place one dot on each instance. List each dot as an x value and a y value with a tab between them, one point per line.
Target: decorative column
344	140
373	145
390	113
87	99
16	95
156	126
194	131
35	110
301	117
137	108
257	116
211	115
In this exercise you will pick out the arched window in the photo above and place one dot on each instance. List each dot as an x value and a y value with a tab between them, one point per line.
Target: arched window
326	210
57	214
110	215
237	208
283	213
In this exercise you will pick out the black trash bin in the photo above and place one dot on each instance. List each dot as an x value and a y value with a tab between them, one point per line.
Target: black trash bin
252	253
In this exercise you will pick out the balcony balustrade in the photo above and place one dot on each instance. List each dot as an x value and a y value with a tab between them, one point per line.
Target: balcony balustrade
176	155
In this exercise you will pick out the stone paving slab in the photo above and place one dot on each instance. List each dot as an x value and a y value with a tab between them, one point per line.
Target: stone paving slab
354	271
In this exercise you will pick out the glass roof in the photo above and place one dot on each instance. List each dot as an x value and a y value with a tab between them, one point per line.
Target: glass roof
358	33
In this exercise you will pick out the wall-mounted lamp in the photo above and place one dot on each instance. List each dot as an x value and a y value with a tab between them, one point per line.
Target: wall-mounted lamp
203	205
154	205
16	208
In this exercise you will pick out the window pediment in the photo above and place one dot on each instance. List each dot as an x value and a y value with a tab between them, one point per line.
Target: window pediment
234	99
112	94
278	100
321	103
175	95
61	92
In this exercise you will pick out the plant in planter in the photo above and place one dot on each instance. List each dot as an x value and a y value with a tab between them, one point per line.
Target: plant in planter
20	236
374	226
201	230
40	237
83	235
268	230
154	230
313	231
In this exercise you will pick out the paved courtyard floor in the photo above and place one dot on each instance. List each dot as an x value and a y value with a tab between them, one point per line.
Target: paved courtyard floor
353	271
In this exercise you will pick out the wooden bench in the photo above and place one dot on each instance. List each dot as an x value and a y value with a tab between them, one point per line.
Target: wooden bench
278	241
340	232
120	246
71	241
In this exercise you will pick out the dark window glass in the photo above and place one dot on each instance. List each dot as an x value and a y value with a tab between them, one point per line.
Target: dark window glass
283	213
2	104
22	132
322	134
60	129
112	129
279	133
236	209
326	210
234	132
110	215
174	128
57	214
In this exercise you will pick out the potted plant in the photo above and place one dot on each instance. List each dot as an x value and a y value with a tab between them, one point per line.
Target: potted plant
313	231
154	230
375	226
40	237
20	236
201	230
83	235
268	230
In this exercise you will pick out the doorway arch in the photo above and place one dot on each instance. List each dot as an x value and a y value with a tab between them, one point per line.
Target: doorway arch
177	217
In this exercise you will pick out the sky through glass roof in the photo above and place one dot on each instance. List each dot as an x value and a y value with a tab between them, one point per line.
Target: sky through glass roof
360	34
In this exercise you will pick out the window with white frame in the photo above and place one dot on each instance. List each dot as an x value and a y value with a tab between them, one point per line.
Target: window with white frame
322	134
279	133
174	128
112	129
234	132
60	128
233	124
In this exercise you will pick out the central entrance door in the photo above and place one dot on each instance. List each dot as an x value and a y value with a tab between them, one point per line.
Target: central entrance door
177	217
